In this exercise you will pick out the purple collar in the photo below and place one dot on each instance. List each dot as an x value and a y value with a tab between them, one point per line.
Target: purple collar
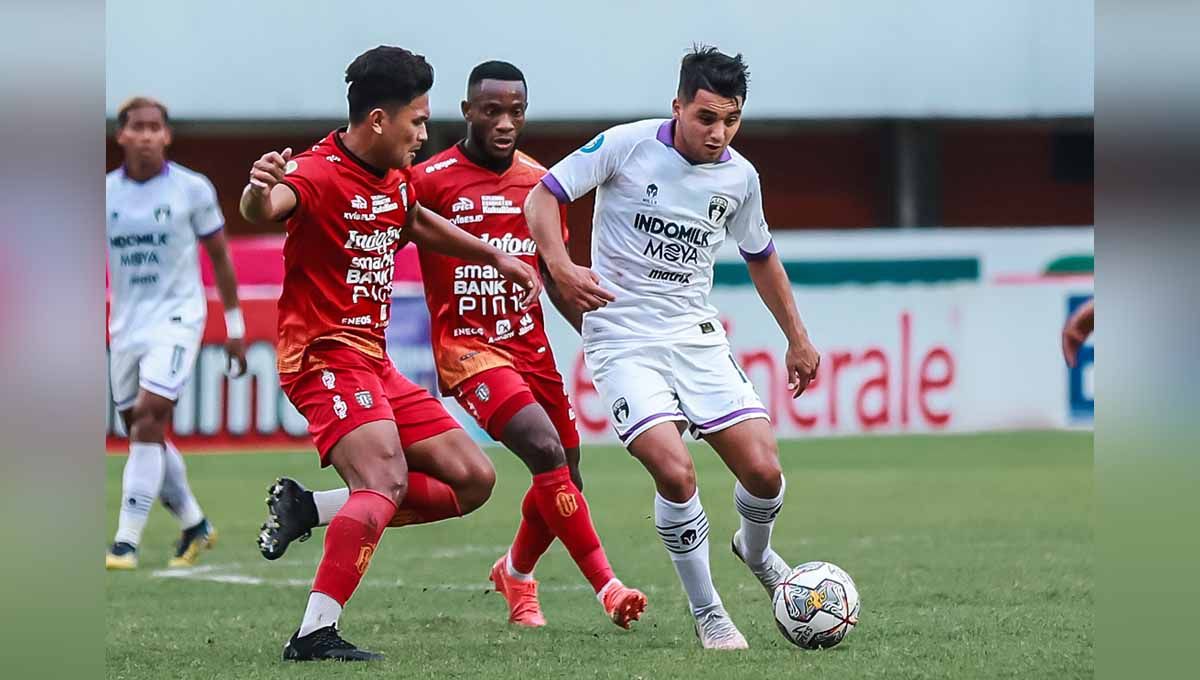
666	135
166	169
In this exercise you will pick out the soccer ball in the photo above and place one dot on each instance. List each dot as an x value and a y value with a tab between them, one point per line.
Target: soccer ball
816	606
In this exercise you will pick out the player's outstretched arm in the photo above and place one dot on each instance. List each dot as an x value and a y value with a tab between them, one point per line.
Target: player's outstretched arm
1077	330
579	287
433	232
265	199
773	287
217	247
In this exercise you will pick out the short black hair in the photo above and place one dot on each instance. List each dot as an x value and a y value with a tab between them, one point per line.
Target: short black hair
495	70
385	77
140	102
706	68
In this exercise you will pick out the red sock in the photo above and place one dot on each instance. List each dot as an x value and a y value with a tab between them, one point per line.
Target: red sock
533	536
565	512
350	541
428	500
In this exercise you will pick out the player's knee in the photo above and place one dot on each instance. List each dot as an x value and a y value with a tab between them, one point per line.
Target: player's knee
544	451
147	425
475	488
764	476
388	474
676	480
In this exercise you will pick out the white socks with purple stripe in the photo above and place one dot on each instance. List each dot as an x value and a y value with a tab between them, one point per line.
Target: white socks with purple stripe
140	483
683	528
758	518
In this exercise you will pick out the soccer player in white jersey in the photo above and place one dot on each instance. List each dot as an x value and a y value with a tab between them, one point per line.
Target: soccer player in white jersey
668	191
156	212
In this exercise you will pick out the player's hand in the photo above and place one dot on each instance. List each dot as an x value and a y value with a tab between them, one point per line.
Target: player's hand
802	361
268	170
523	275
580	287
1076	332
235	352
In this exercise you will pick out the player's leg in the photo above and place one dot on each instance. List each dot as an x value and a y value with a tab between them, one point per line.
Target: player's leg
359	438
197	533
369	459
727	412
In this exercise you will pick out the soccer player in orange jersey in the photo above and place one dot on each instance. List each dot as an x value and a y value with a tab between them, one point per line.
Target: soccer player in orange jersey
348	203
493	356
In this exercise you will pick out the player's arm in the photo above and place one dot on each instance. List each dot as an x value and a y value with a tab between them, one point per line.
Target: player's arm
265	198
578	287
433	232
1078	328
773	286
571	313
217	247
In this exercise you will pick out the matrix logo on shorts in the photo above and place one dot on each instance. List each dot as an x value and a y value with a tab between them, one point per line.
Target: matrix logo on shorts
620	410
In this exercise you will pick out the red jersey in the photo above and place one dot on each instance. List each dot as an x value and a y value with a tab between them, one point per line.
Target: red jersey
340	251
476	322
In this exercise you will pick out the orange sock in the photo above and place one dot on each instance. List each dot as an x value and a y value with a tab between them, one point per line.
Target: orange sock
428	500
565	512
533	537
350	542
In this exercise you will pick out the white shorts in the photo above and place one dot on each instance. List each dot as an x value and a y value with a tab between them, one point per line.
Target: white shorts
701	385
161	366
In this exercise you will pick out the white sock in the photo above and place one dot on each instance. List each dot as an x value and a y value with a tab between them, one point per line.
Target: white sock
683	528
140	484
329	502
321	611
758	518
512	571
176	494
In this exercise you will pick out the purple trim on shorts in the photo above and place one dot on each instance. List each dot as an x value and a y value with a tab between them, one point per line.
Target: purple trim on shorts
551	183
730	416
666	135
760	255
643	421
165	391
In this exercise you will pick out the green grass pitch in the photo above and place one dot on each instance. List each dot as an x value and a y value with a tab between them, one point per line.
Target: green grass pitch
973	556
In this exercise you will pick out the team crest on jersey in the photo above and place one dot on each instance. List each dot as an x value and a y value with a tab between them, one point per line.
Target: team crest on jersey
162	214
620	410
339	407
651	195
403	189
327	379
482	393
717	207
364	399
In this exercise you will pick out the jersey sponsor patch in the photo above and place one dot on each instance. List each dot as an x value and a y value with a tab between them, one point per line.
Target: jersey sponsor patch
594	145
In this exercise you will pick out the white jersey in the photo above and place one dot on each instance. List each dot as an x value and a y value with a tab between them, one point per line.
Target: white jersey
658	224
152	229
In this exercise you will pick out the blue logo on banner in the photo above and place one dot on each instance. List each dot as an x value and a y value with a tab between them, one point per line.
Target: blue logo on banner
1081	379
593	145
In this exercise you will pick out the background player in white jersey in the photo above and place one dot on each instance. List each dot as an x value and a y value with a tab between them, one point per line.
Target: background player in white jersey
157	211
667	193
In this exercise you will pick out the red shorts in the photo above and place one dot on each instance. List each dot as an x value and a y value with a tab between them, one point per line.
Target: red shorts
494	396
339	388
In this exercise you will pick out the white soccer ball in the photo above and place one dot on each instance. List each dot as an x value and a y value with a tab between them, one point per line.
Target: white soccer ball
816	606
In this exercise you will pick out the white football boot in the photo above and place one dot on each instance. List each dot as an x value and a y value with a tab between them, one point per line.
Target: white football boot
716	630
770	573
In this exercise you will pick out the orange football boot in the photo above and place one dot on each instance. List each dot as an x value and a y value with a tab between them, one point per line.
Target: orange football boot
623	605
523	607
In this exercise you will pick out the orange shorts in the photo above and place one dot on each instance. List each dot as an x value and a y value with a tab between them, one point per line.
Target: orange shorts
339	388
494	396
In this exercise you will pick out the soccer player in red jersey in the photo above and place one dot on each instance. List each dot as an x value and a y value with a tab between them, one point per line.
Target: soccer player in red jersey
348	203
493	356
